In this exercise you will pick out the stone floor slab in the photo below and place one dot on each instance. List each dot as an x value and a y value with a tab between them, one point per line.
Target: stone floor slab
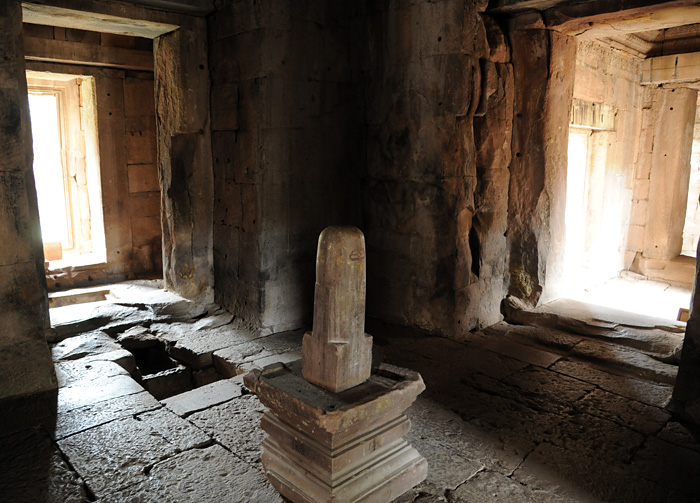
214	474
114	455
91	392
206	396
235	425
176	430
83	418
650	393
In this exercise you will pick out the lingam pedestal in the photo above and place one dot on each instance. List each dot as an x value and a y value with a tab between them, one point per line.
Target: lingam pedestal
334	425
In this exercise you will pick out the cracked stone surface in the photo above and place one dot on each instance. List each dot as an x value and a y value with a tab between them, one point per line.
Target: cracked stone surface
556	410
114	455
235	425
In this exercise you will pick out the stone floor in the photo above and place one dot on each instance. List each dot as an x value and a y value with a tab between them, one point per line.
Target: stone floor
562	404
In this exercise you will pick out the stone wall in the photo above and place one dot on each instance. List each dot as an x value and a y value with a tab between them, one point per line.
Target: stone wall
127	158
434	203
361	113
25	362
287	148
661	183
185	158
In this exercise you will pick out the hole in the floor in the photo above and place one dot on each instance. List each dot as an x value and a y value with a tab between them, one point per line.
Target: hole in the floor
152	360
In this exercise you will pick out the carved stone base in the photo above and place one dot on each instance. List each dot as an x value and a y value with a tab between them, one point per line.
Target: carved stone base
344	447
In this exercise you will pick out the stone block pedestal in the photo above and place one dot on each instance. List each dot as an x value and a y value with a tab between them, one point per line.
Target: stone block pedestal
345	447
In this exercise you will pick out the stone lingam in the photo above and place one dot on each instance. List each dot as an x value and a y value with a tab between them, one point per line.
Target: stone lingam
334	424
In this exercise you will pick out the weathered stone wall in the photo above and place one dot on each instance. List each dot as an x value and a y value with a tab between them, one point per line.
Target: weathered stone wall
661	176
610	77
127	158
287	147
25	361
361	113
426	219
544	64
185	158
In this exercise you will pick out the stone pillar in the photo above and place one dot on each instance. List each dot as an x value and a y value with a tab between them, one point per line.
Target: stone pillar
686	393
665	162
185	160
25	361
544	63
338	353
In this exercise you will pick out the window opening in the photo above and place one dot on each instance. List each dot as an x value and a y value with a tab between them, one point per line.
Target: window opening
66	168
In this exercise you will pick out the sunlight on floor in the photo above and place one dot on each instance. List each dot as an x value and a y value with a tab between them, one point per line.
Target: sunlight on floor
631	292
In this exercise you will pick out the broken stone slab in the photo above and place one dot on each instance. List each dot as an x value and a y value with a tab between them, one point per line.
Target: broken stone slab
176	430
195	347
352	442
215	321
200	398
494	486
235	425
262	362
83	345
114	455
574	476
138	338
228	361
79	318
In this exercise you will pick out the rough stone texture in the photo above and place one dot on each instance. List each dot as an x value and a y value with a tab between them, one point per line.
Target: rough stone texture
175	430
25	362
287	137
113	455
422	80
544	64
184	148
102	412
235	425
33	470
337	354
211	474
206	396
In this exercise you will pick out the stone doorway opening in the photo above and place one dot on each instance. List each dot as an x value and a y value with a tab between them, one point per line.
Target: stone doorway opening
629	162
66	168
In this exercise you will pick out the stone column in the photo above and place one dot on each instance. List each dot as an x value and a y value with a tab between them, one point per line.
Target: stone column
25	361
544	64
184	159
686	393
